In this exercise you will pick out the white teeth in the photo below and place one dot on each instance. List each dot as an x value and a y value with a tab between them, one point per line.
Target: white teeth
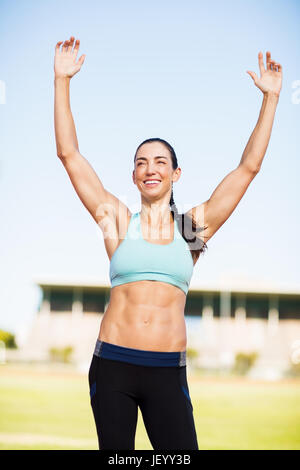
152	182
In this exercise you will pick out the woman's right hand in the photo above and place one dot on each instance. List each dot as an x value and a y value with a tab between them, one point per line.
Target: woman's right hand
65	64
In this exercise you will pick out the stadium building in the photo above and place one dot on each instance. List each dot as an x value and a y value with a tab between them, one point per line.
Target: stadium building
221	322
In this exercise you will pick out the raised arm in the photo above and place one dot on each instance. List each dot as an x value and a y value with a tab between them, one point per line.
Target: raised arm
97	200
216	210
65	67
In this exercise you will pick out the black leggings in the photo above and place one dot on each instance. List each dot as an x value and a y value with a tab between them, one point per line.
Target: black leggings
121	379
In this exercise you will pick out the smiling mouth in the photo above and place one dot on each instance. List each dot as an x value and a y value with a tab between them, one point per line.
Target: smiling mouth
151	184
151	181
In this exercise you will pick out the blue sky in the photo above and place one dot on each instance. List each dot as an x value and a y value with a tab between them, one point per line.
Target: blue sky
175	70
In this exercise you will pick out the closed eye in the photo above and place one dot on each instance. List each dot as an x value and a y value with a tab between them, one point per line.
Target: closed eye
141	163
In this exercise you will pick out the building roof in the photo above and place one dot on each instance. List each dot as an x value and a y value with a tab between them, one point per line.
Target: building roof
226	285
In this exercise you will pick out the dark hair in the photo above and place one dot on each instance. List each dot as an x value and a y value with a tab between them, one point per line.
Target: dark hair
186	225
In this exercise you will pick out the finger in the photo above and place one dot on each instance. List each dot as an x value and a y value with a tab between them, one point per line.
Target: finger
81	60
71	42
279	68
261	63
76	47
268	60
253	75
57	47
275	67
65	46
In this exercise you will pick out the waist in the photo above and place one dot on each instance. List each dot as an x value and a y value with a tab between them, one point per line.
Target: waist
141	327
139	356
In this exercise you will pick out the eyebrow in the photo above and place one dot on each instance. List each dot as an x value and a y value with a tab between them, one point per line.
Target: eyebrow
144	158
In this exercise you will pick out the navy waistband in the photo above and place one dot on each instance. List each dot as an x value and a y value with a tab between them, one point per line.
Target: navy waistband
139	356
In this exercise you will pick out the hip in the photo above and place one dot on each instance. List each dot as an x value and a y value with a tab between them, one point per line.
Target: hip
141	357
139	373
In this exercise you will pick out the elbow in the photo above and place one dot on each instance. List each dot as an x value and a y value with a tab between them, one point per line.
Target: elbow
64	155
59	151
251	168
256	170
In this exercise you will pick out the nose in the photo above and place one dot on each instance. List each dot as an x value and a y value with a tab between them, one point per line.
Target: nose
150	170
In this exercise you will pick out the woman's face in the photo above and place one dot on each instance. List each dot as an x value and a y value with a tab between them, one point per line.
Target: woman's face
153	162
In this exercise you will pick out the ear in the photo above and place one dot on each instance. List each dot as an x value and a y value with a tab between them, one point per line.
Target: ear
176	174
133	176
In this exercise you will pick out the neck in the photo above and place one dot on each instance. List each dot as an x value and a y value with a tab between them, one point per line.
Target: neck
156	214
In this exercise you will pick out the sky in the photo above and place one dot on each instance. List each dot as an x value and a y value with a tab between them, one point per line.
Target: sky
174	70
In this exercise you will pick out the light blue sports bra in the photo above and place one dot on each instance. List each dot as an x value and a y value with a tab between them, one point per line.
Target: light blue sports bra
135	259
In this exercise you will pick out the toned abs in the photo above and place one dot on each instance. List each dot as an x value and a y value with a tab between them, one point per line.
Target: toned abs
146	315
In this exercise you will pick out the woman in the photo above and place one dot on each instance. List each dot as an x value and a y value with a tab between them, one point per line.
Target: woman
140	354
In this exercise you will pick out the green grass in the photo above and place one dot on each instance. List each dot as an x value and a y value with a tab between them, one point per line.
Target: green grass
50	409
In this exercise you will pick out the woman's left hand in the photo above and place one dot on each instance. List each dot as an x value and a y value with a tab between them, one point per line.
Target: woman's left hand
271	78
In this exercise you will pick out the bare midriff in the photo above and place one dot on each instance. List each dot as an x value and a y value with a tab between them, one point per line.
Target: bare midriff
147	315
